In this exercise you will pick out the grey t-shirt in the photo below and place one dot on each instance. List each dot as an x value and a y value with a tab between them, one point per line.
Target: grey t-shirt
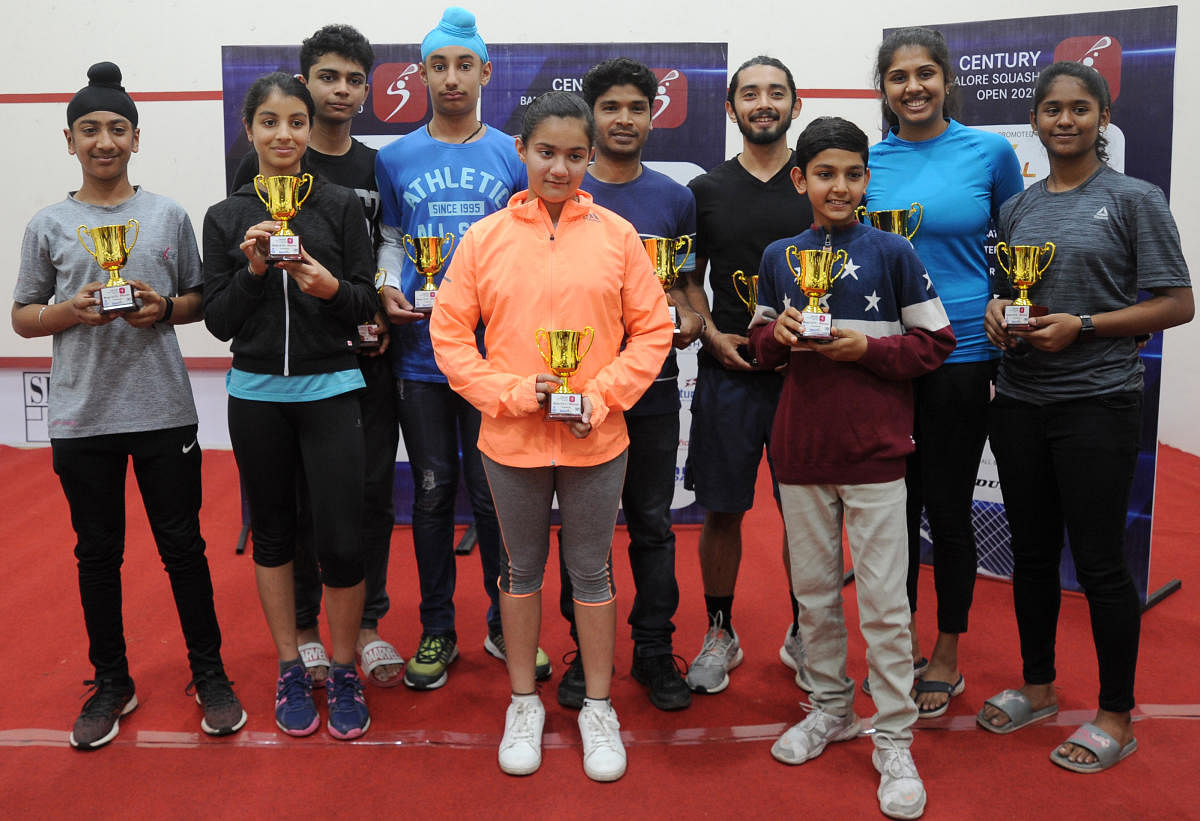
114	378
1113	235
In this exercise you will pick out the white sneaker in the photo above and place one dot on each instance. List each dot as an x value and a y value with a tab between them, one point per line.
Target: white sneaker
901	793
794	656
603	752
810	737
521	747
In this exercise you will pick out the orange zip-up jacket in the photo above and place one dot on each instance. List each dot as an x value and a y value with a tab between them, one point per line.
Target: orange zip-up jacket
518	273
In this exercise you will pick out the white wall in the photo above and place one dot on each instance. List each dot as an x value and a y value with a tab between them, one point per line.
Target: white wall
170	45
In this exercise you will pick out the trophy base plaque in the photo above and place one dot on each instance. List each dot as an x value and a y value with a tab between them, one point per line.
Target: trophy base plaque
674	317
817	325
565	407
423	301
1018	316
368	337
284	248
117	299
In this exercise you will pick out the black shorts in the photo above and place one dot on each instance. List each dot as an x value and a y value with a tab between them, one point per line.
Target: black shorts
732	414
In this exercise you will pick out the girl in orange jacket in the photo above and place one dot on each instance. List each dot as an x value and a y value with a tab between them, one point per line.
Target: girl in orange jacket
553	260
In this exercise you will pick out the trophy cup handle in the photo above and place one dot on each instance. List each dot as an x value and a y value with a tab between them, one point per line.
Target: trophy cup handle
137	229
303	179
446	249
261	180
79	233
590	333
740	277
539	336
405	243
686	243
861	213
788	253
1001	246
844	256
920	212
1046	265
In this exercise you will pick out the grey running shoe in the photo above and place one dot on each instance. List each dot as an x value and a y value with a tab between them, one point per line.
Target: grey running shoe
99	720
809	738
901	793
721	652
793	654
223	713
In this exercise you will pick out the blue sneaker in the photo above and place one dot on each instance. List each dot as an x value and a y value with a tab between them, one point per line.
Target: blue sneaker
295	712
348	715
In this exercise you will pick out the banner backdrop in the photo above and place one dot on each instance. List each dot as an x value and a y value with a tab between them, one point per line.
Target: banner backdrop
688	137
997	63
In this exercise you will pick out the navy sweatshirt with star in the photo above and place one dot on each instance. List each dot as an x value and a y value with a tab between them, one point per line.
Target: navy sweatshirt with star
851	422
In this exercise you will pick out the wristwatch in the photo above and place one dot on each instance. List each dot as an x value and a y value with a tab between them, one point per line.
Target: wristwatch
1086	328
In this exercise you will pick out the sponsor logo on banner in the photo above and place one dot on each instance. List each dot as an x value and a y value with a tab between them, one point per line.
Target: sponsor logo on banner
670	104
1101	51
398	94
37	406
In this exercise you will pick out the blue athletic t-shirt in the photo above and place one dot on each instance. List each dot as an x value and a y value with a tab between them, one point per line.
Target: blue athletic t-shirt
658	207
961	178
431	188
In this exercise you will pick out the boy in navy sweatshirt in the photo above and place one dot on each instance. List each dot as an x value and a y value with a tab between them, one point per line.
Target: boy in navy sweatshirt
840	437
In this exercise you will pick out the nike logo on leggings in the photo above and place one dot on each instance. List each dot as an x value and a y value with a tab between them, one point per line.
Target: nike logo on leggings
188	448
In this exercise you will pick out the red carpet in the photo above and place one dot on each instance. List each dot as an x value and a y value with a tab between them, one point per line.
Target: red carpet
434	754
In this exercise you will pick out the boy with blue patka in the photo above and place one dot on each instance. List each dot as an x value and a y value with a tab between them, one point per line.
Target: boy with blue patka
840	438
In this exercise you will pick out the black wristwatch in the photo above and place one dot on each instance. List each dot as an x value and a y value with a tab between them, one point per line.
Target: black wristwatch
1086	328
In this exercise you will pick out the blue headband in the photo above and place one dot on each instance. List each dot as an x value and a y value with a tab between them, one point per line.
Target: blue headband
457	28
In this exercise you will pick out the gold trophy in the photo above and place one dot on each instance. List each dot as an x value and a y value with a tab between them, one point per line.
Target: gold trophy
564	355
429	256
748	292
282	204
368	332
111	253
815	278
894	221
664	253
1026	271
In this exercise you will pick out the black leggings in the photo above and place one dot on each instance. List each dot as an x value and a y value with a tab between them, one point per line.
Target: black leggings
950	428
272	441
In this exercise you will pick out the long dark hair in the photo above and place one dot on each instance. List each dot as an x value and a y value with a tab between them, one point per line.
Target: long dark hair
1092	80
935	44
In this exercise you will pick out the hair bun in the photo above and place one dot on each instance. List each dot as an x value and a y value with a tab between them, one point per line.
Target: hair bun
105	74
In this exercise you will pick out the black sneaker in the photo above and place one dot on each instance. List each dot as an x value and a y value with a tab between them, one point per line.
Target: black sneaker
662	675
573	687
223	713
98	722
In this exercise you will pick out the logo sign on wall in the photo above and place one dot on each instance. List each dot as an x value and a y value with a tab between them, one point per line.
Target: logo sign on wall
688	109
997	63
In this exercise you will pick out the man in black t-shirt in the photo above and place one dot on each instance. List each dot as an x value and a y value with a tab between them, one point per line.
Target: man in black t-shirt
742	205
335	64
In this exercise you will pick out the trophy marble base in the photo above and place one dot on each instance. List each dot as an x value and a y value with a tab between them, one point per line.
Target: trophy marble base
423	301
565	407
1018	316
368	337
117	299
817	325
284	248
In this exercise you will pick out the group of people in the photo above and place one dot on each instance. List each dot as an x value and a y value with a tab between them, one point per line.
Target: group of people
884	417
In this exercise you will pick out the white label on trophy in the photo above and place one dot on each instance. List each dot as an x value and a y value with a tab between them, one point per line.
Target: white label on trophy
674	317
1016	315
368	336
116	297
817	325
423	300
285	247
565	405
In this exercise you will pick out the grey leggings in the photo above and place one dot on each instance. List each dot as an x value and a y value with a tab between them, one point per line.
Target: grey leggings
587	502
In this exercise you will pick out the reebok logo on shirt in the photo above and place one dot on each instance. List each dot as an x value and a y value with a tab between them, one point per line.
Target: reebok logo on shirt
1102	214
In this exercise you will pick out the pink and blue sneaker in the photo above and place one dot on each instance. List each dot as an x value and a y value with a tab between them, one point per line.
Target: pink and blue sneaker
295	712
348	715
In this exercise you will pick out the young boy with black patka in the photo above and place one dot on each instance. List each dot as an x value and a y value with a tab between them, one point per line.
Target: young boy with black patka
841	434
